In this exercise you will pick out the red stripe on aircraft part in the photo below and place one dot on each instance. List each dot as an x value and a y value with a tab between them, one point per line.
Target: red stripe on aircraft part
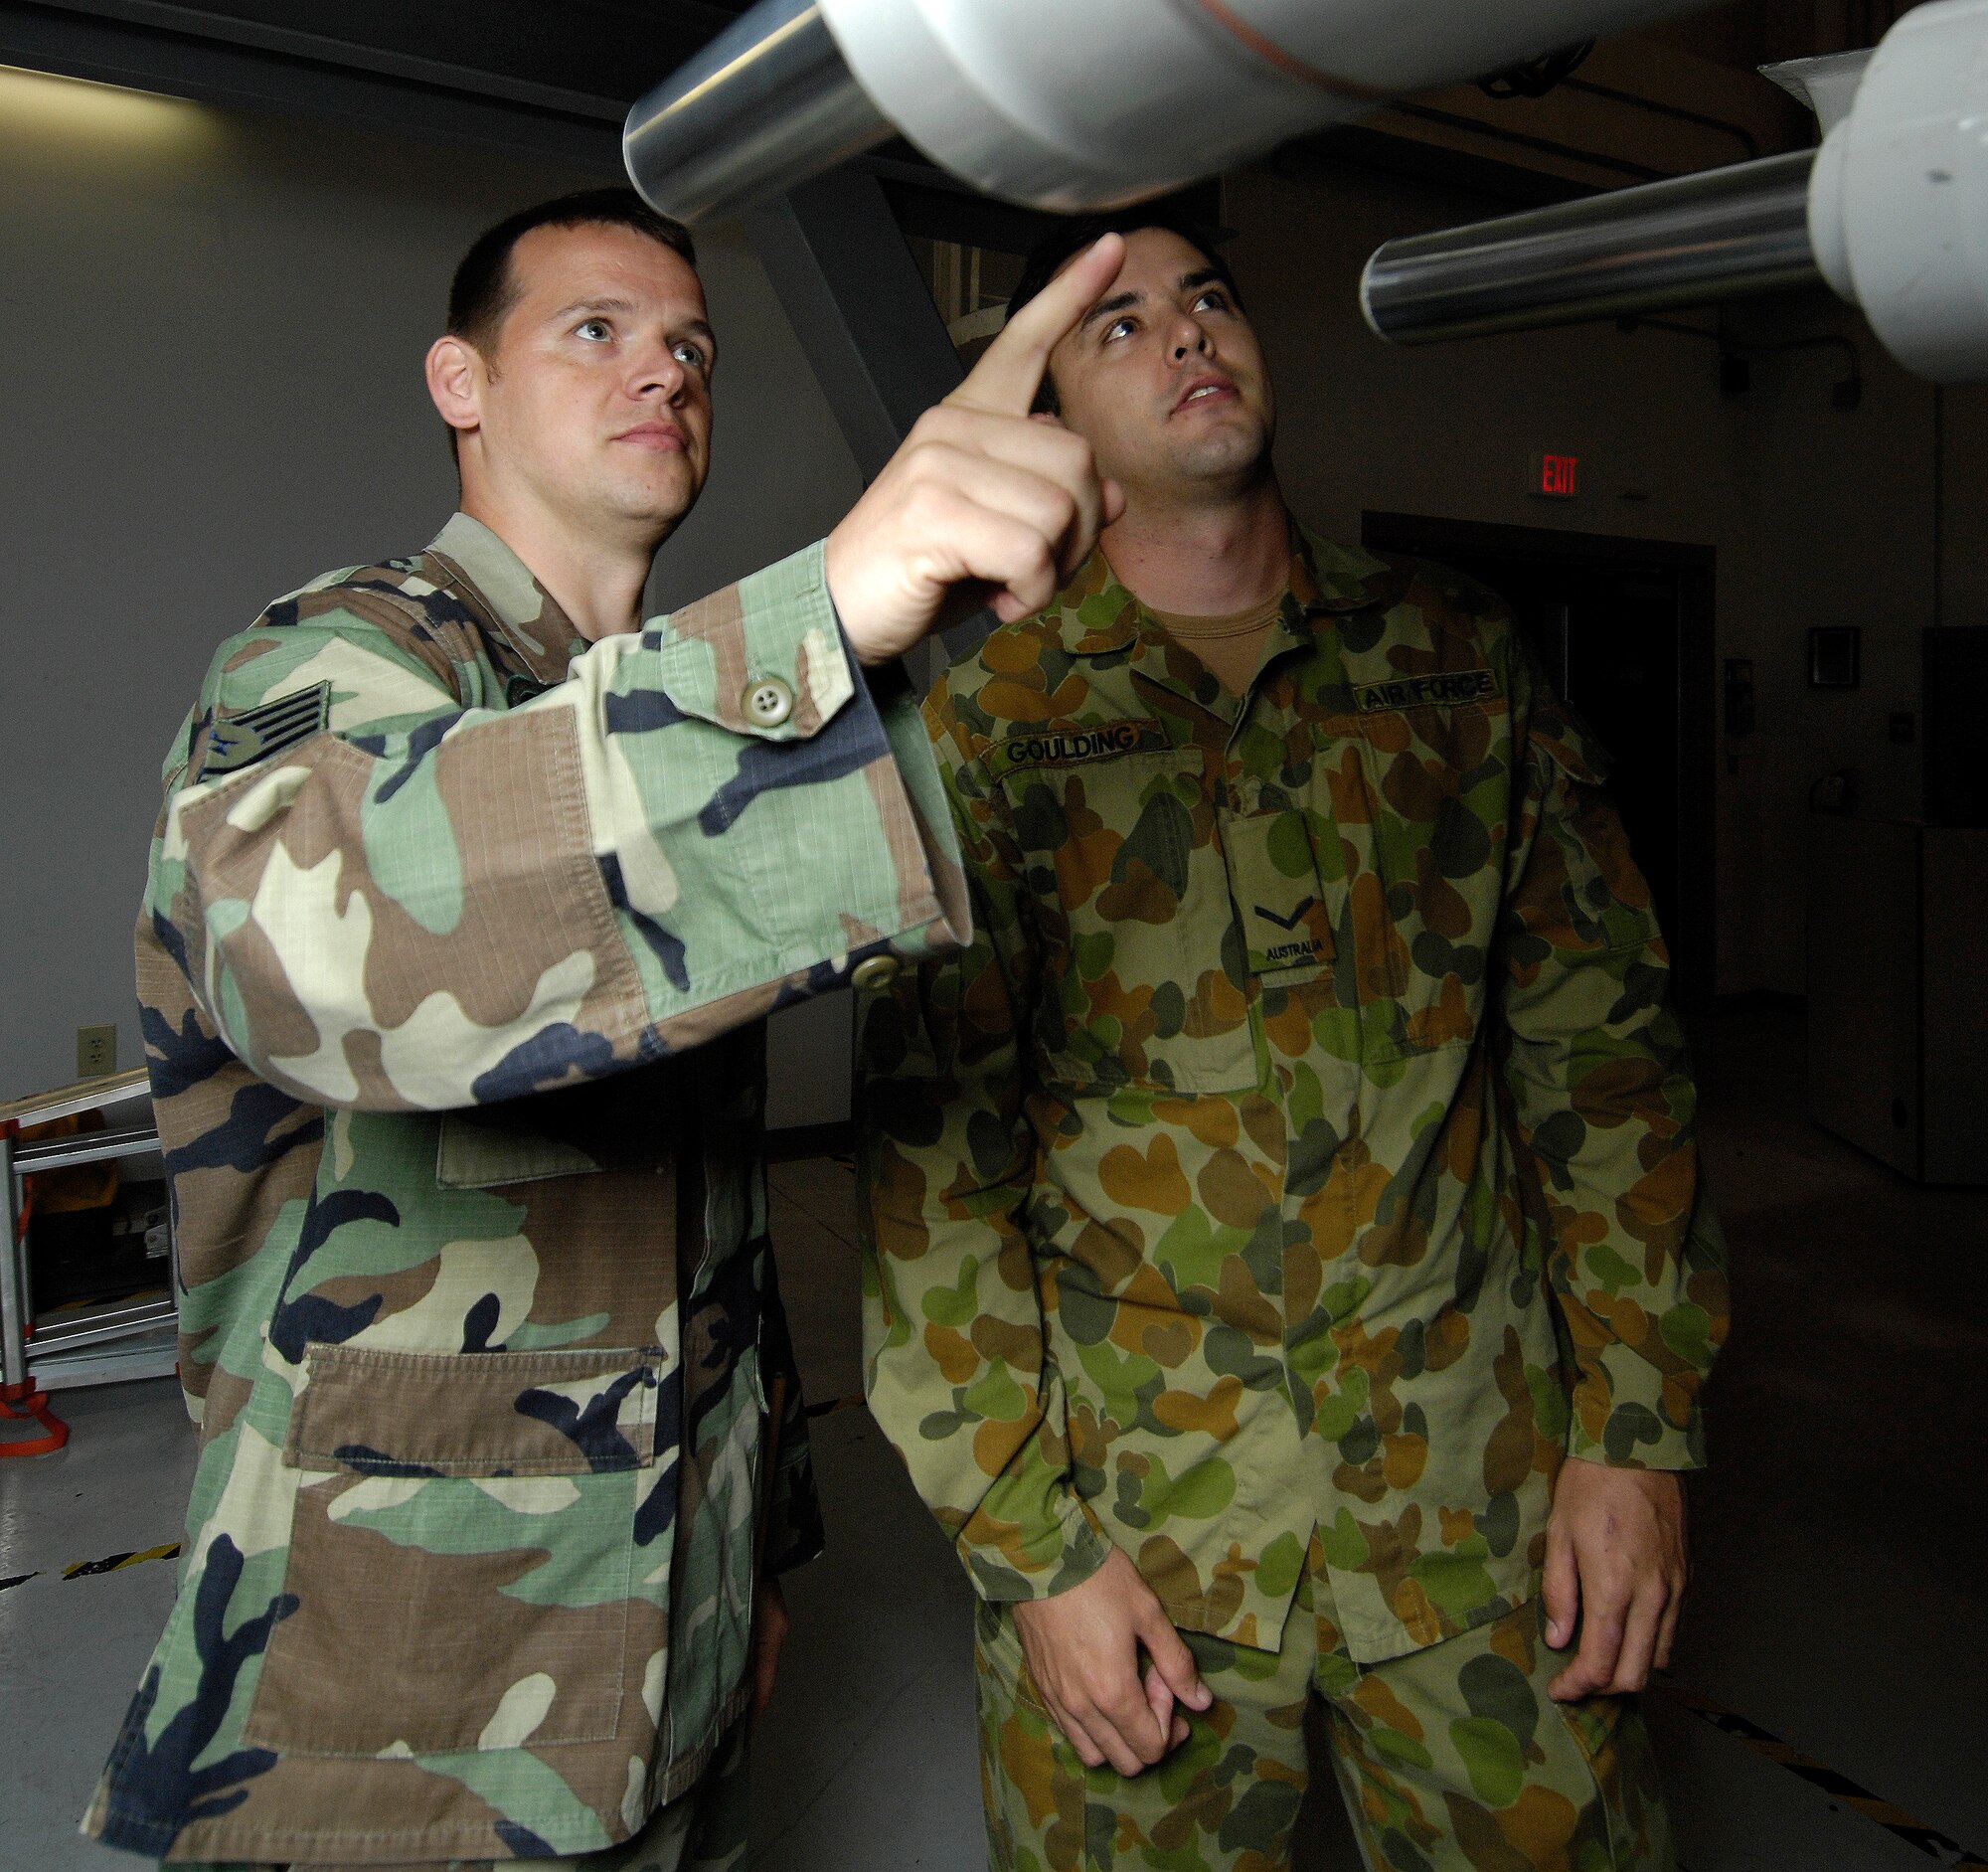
1287	63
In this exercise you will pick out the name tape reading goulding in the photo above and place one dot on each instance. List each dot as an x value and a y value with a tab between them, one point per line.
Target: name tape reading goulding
1066	747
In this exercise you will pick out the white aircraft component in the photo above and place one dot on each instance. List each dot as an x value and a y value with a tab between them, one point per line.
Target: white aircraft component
1897	207
1893	212
1072	105
1062	104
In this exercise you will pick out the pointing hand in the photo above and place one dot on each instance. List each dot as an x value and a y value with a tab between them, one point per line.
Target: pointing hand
980	504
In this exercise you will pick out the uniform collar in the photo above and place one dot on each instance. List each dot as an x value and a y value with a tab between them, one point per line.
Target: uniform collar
496	584
1096	615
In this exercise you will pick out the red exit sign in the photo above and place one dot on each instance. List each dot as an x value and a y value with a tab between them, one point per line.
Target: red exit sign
1555	477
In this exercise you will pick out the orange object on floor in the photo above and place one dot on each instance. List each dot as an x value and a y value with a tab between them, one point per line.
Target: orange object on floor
28	1403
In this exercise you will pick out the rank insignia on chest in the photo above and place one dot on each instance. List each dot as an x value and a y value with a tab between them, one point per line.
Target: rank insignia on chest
240	740
1274	883
1066	747
1442	690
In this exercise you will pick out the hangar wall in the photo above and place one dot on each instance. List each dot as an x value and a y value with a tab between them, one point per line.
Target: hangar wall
213	327
1818	515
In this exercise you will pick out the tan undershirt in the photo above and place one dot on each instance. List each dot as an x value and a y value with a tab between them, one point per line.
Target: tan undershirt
1230	646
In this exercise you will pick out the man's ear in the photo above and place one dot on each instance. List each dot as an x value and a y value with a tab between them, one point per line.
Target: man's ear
456	378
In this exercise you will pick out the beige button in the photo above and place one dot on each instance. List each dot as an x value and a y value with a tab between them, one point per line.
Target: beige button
878	972
767	702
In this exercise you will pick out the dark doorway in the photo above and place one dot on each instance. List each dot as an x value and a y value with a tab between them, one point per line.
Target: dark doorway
1624	628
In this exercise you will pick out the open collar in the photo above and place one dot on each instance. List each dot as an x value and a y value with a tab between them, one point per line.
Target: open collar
498	587
1096	615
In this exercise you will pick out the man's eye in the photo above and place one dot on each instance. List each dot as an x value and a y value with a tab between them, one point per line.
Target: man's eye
1214	298
1119	328
688	353
596	330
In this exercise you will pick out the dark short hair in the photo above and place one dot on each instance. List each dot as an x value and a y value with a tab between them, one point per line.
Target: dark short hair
1069	238
483	288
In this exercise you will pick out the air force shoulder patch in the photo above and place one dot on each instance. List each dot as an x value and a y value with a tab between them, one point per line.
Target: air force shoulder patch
241	740
1442	690
1413	691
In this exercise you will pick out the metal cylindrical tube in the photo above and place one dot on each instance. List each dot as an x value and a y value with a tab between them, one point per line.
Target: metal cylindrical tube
1061	107
769	103
1668	244
13	1270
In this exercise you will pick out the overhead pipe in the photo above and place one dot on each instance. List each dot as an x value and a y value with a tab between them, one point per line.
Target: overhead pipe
1680	242
1892	212
1059	106
765	104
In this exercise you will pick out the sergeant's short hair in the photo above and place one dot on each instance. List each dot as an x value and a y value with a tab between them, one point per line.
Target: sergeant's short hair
1069	238
483	290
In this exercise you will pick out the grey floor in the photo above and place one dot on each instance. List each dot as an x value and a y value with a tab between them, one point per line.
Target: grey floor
1838	1604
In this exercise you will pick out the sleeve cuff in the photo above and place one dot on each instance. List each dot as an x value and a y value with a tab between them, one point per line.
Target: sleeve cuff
1063	1555
1662	1429
764	658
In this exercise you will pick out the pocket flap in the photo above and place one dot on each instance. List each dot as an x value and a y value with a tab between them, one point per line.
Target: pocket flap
471	1154
376	1412
1556	730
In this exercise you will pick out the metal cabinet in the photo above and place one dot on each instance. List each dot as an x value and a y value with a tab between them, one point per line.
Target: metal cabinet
98	1343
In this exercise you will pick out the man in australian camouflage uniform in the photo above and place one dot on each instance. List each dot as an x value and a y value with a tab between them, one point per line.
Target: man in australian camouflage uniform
1288	1259
468	897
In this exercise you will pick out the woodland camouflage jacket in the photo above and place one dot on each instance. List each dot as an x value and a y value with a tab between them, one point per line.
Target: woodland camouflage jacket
452	965
1306	1139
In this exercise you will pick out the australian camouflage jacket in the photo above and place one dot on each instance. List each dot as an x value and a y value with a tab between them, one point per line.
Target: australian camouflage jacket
1305	1142
452	963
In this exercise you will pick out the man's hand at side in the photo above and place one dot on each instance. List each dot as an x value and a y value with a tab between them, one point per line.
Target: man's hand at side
770	1633
979	496
1083	1648
1615	1561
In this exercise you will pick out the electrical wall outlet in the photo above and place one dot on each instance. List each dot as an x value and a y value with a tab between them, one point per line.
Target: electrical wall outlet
96	1051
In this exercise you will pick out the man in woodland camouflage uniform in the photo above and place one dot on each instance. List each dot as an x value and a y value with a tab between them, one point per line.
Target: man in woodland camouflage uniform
467	900
1288	1259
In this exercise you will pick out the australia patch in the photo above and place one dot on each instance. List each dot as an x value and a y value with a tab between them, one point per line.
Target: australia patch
241	740
1442	690
1066	747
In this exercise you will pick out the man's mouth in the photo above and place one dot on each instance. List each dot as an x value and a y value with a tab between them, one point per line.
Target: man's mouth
1206	390
665	436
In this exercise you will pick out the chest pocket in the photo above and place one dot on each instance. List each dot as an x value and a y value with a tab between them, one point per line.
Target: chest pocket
1281	902
1423	796
1141	968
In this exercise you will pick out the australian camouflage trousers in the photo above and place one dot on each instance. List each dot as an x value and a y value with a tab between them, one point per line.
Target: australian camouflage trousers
1452	1759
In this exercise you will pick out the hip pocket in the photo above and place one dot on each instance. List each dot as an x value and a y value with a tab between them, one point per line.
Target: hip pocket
462	1550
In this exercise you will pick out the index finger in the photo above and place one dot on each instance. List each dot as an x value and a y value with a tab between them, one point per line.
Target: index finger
1010	371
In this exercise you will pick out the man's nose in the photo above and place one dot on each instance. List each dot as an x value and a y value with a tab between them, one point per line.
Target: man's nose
1189	339
663	371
